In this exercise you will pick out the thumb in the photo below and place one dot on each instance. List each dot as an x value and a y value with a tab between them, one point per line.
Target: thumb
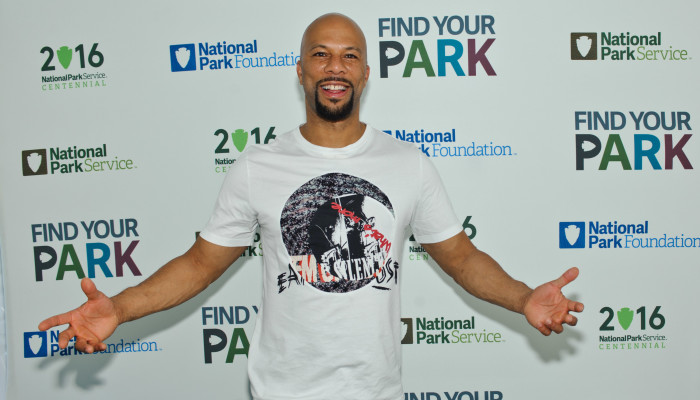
89	289
566	278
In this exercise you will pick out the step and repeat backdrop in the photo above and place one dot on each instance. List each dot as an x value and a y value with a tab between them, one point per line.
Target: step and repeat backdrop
564	132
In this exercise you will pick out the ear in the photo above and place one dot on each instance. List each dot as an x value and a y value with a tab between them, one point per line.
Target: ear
299	70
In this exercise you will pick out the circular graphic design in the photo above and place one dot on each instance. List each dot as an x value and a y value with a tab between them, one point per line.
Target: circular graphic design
337	229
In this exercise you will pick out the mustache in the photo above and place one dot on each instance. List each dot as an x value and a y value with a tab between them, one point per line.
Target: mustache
335	79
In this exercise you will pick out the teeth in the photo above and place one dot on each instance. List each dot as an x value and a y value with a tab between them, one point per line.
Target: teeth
333	87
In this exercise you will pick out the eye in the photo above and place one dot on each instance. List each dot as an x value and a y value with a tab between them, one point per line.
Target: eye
320	54
350	55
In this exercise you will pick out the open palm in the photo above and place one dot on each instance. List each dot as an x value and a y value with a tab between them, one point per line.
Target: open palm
547	309
90	324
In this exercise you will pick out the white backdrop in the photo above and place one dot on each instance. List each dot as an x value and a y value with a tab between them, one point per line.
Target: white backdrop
514	120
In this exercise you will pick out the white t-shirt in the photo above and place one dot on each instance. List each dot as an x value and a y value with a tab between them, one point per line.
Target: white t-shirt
333	225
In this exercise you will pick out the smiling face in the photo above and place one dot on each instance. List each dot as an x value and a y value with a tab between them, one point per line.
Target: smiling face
333	68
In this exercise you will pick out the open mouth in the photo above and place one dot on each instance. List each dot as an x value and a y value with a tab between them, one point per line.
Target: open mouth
334	90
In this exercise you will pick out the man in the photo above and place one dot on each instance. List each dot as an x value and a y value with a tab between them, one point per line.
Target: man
333	222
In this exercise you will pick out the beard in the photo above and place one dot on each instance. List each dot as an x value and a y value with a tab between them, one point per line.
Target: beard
338	113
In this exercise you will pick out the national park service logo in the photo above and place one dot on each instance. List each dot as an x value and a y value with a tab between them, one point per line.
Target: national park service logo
406	331
240	139
625	317
584	46
34	162
65	56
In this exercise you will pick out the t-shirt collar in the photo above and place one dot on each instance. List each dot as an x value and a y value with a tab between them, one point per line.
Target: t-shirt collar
333	152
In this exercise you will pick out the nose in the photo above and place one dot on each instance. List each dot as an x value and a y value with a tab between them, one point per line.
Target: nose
335	65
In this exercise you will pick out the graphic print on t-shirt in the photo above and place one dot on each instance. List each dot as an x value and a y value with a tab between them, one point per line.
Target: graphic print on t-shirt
337	229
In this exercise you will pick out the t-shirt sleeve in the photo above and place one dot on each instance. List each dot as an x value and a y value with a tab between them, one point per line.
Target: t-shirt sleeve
433	220
233	221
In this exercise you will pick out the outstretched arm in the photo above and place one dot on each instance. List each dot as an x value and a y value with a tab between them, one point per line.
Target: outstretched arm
545	307
174	283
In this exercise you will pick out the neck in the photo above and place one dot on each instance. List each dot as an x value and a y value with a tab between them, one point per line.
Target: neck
332	134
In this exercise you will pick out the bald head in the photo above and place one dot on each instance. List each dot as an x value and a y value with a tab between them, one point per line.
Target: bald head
334	26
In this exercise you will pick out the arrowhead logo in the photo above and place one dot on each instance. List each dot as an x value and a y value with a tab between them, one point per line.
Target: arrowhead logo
407	331
240	138
34	162
45	257
584	46
65	55
183	57
35	344
214	340
391	52
572	235
625	317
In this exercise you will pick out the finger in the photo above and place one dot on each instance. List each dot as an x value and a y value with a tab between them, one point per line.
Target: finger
544	330
65	337
554	326
575	306
60	319
566	277
99	346
544	327
571	320
89	289
83	345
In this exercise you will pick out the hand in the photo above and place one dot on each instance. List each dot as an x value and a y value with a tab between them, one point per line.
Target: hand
547	309
90	324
